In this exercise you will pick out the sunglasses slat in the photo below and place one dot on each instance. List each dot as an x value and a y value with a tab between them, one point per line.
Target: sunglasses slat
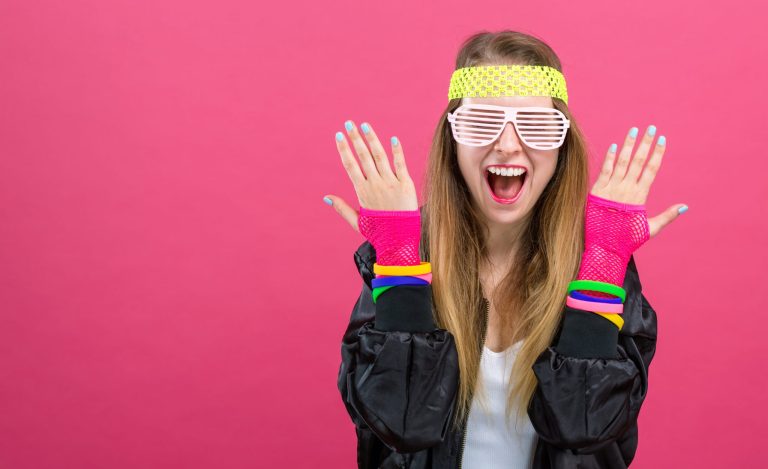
525	121
479	124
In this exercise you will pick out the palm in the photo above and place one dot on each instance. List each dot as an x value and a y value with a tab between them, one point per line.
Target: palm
377	186
628	179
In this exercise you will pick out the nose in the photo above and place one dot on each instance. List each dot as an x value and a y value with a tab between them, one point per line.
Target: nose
509	141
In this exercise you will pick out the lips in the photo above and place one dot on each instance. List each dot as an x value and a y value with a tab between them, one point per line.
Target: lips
504	201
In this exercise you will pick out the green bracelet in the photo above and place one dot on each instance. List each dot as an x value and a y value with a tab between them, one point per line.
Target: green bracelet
379	290
594	285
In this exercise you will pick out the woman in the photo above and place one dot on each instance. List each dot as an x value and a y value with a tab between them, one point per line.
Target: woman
500	311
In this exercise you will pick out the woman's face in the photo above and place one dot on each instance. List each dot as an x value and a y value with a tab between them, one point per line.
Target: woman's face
503	199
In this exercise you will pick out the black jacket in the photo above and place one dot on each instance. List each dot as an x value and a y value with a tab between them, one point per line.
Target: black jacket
399	380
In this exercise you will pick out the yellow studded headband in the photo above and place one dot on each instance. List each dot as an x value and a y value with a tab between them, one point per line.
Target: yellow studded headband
508	80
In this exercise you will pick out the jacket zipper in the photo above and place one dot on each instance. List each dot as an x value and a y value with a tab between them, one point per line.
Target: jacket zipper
485	331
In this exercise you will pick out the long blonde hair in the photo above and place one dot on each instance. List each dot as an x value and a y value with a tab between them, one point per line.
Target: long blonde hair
453	239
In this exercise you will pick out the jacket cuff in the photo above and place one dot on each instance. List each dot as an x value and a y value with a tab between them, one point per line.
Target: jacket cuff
587	335
406	308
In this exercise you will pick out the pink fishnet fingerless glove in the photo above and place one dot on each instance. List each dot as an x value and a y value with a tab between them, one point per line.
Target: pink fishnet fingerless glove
394	235
612	232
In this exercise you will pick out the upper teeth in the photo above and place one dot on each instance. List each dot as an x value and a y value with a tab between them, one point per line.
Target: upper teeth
506	171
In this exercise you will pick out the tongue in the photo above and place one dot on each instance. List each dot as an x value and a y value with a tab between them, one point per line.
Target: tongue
506	187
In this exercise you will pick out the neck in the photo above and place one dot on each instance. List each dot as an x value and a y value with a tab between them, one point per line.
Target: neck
503	243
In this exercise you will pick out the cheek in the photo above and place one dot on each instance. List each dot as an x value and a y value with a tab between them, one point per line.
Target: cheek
545	169
467	165
552	167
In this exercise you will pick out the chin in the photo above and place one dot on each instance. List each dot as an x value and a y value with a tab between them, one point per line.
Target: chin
506	216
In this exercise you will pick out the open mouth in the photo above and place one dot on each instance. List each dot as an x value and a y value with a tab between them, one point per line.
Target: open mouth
505	189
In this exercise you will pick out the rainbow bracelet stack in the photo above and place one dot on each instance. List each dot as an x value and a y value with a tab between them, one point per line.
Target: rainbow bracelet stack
388	276
609	308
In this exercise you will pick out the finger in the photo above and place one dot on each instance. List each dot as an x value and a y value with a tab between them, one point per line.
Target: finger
657	223
362	151
399	159
607	169
349	214
654	163
626	152
379	154
641	155
348	161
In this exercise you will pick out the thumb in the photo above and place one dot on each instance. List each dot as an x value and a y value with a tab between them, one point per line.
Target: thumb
657	223
342	208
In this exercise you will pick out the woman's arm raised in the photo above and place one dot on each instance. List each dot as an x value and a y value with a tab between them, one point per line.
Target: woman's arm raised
592	383
399	373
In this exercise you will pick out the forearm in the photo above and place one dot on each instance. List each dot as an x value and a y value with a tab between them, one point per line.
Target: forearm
613	231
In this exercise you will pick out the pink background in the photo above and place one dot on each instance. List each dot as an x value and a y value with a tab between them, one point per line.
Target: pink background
173	290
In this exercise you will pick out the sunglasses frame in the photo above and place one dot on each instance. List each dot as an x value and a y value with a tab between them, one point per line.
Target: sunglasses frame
510	115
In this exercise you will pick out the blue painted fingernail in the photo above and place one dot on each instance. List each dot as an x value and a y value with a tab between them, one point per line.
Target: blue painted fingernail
652	130
393	140
662	141
682	209
633	132
348	126
339	136
327	201
365	128
613	148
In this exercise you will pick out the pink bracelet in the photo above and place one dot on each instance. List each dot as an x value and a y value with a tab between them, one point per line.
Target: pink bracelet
594	306
427	277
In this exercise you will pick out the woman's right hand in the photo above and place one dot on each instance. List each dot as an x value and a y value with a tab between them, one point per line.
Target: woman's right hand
379	188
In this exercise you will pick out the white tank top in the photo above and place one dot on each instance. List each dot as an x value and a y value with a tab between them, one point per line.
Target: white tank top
490	442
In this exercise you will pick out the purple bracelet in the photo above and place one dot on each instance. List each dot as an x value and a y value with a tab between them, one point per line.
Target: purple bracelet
581	296
397	280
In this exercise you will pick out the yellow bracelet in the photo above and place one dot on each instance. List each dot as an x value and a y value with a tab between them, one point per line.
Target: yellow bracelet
405	270
614	318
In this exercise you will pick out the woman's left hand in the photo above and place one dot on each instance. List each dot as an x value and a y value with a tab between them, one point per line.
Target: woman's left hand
625	181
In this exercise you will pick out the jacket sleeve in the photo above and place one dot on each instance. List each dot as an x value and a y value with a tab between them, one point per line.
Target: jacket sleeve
399	373
592	383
